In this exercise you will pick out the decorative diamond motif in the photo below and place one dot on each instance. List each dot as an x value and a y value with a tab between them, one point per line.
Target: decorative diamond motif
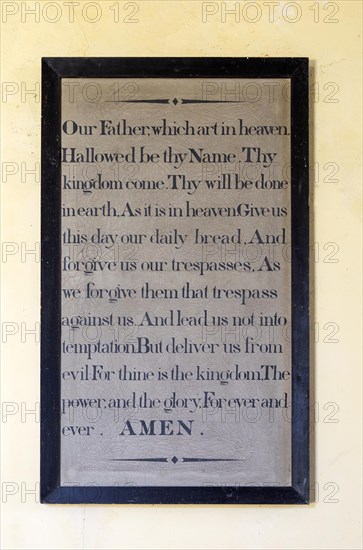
175	101
174	459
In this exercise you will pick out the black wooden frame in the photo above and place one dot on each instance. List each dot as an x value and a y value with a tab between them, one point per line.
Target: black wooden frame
53	70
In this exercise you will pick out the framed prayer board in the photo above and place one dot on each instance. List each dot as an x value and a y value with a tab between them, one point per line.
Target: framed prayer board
175	281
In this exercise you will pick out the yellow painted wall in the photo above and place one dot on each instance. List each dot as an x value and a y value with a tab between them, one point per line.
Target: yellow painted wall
330	34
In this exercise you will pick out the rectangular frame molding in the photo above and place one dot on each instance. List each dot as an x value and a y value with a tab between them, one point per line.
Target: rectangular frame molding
53	70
